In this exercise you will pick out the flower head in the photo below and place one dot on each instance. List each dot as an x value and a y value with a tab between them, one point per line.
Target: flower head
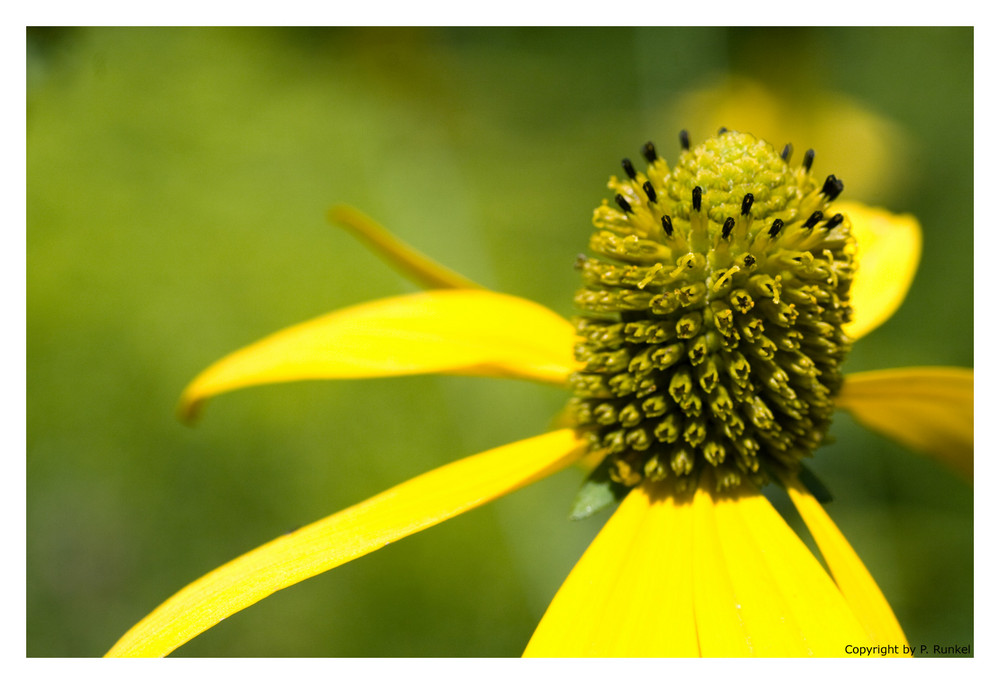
715	312
705	362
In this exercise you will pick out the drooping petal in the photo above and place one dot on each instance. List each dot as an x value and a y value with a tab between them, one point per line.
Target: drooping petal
409	262
888	253
630	593
929	409
396	513
855	582
758	589
715	575
459	332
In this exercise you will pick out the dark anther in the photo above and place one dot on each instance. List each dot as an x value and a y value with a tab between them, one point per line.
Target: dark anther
787	152
649	152
749	261
650	192
834	221
807	160
775	228
723	130
685	140
668	226
629	169
747	203
832	187
623	203
581	259
727	227
813	220
696	199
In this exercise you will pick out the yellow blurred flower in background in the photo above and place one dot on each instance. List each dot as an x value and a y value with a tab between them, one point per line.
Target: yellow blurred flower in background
856	142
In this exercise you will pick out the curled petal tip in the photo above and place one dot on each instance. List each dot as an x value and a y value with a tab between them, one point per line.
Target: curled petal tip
188	410
341	214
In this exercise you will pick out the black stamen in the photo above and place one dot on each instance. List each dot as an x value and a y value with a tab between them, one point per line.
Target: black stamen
685	140
668	226
650	192
835	221
807	160
787	152
749	261
623	203
775	228
696	199
832	187
747	203
727	227
649	152
629	169
723	130
813	220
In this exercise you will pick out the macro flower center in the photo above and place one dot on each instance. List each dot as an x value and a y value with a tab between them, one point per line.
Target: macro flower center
712	328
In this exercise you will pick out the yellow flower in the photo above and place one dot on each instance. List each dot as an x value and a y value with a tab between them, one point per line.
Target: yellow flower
878	161
695	561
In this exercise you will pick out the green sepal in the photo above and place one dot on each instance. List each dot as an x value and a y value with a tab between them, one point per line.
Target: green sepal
811	481
597	492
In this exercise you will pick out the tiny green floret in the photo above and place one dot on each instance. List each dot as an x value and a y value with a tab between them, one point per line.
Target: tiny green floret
712	328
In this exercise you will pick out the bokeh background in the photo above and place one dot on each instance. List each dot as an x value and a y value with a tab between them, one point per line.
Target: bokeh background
177	184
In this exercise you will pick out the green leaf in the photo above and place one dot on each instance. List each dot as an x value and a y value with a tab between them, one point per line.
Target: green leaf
597	492
811	481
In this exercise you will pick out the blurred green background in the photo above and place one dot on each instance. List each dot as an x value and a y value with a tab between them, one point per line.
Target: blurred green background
177	184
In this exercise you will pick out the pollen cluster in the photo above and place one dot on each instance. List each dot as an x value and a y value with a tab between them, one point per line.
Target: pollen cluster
712	326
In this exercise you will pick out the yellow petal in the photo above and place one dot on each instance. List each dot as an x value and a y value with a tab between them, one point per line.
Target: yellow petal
459	332
630	593
758	589
888	252
855	582
401	511
928	409
716	604
769	628
408	261
718	575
